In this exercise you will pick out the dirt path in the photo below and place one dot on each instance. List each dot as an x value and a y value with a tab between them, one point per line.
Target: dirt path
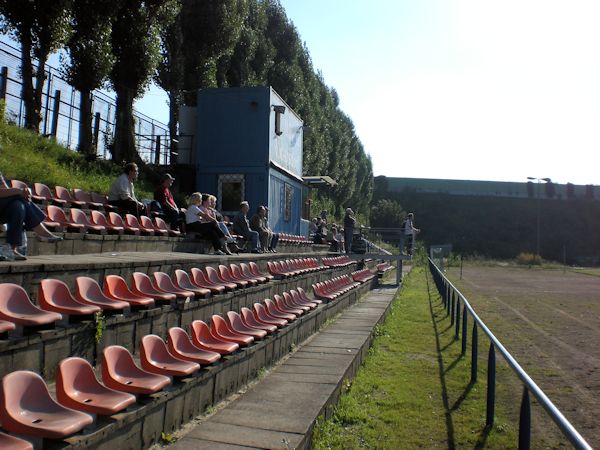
550	321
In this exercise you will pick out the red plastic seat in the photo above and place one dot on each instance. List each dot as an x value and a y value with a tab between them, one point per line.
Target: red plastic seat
274	311
54	295
98	218
245	269
116	288
236	272
221	329
57	215
141	284
16	307
17	184
117	221
64	194
263	316
79	217
182	347
280	304
226	275
85	197
77	387
305	297
181	280
133	222
99	198
255	270
6	326
213	276
155	358
160	224
8	442
237	325
147	224
276	271
290	302
163	282
43	191
250	319
88	291
120	372
200	279
204	339
300	301
27	408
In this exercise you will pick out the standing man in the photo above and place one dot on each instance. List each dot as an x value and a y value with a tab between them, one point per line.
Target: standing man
407	234
241	226
121	193
349	222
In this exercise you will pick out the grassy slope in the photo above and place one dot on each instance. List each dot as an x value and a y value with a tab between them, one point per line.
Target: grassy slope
30	157
413	390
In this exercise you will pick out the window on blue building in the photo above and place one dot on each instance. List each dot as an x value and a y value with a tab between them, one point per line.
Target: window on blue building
231	192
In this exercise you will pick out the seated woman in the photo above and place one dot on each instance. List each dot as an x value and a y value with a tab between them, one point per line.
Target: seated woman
17	210
199	220
212	203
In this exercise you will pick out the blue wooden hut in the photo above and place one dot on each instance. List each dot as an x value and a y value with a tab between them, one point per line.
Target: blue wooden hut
248	146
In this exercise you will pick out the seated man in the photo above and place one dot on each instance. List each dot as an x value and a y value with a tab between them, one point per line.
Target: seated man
241	226
121	193
258	224
164	197
274	237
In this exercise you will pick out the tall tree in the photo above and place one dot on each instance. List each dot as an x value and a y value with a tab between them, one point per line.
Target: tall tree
41	27
135	40
91	59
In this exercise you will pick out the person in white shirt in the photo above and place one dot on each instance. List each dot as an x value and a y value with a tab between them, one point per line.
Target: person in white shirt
407	234
199	219
122	195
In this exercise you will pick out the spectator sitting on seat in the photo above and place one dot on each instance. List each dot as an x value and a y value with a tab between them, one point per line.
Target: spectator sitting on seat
312	227
199	220
319	237
121	193
331	237
274	237
19	213
339	236
164	197
241	226
257	223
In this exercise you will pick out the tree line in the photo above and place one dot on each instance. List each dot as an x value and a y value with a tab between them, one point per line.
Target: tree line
186	45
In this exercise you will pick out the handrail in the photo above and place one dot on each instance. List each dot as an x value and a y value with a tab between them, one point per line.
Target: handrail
568	430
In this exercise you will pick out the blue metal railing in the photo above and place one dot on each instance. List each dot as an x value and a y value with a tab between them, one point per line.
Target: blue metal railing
455	302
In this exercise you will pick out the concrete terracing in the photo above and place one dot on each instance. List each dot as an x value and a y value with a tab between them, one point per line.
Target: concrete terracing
280	411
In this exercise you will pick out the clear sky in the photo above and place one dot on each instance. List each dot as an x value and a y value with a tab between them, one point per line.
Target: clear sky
465	89
471	89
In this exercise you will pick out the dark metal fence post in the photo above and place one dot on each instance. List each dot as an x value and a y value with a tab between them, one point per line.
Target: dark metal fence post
457	319
452	306
464	330
3	82
525	421
96	130
47	107
491	386
474	350
55	113
157	154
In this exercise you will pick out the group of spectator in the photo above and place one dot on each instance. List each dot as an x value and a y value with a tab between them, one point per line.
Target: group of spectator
338	238
256	230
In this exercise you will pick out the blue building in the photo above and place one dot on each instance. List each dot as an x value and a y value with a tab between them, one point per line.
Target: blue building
248	146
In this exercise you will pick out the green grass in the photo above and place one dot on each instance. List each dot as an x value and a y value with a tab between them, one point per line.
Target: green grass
30	157
413	390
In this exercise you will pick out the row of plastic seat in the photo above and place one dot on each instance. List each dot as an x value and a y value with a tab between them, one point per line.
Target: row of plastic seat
338	261
362	276
55	299
97	222
64	197
384	267
27	408
331	289
292	267
294	239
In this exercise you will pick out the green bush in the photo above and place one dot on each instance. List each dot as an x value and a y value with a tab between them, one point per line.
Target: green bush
529	259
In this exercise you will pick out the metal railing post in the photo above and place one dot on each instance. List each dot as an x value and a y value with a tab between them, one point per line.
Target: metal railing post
457	318
464	330
525	421
474	350
491	386
452	305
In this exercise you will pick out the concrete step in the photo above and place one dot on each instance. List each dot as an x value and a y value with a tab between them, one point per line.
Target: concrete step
280	411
